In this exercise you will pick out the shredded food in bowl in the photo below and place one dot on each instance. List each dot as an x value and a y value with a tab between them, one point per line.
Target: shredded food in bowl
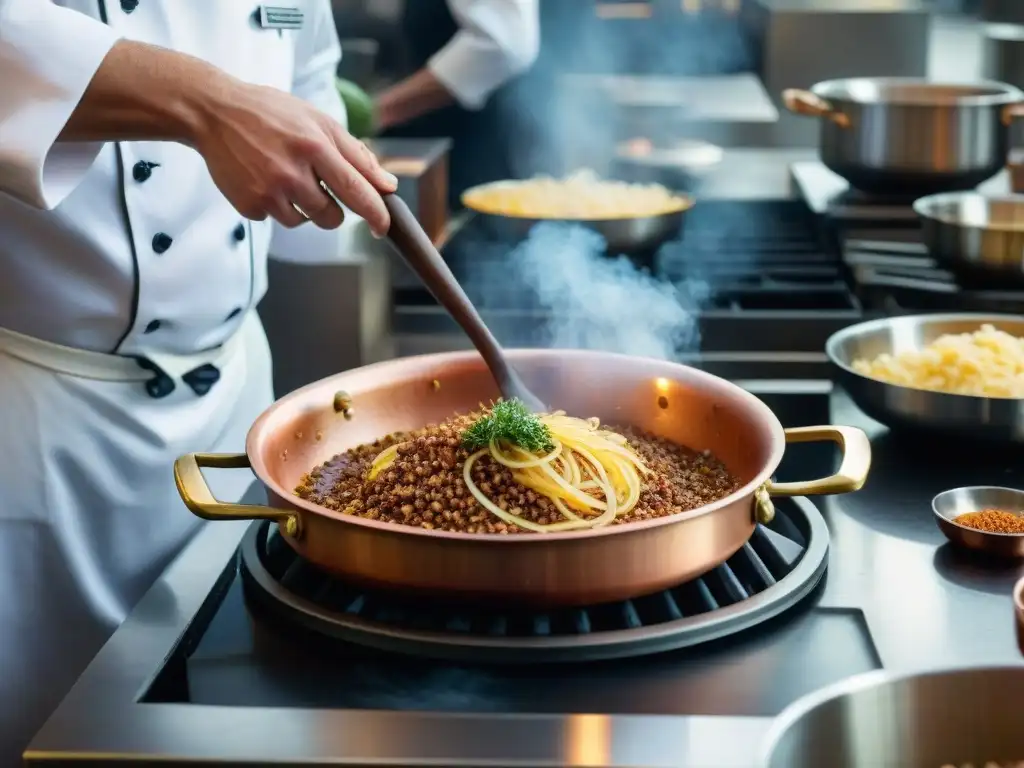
580	196
986	363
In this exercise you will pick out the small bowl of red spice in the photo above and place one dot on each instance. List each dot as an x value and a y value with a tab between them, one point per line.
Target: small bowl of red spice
985	518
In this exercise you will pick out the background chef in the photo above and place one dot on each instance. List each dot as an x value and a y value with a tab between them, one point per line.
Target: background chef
467	55
146	148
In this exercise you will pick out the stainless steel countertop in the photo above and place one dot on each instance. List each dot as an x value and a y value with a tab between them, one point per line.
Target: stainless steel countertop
925	606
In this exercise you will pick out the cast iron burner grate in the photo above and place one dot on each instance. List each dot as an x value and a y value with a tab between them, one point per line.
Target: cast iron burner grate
775	569
900	277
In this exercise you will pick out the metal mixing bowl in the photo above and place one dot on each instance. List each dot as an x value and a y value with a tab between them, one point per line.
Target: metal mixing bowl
959	717
977	237
997	419
959	501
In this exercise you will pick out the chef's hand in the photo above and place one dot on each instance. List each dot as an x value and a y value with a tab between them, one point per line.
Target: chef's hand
268	151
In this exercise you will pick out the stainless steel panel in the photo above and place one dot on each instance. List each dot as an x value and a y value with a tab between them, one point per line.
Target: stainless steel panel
1003	60
326	317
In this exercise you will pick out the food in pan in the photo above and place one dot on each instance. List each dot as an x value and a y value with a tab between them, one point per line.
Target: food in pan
985	363
579	196
505	470
992	521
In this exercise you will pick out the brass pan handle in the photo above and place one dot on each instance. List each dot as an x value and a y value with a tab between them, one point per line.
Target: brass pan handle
851	475
853	469
801	102
201	502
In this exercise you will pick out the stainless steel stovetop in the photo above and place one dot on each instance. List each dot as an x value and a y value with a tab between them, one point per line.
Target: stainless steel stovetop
198	675
886	265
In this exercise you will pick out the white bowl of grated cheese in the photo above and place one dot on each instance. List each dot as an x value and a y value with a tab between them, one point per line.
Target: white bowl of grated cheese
953	373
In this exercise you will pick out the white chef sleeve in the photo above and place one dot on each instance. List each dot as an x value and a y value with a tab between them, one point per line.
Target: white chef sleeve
497	40
317	54
48	56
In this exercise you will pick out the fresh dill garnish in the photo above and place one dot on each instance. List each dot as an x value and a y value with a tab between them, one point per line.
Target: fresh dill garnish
509	421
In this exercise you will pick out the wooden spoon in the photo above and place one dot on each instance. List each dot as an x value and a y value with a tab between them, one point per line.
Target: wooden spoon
419	253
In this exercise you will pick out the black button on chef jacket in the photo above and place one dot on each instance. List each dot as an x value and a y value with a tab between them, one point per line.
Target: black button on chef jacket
161	242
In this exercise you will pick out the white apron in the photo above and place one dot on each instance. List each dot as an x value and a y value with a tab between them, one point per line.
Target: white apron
89	514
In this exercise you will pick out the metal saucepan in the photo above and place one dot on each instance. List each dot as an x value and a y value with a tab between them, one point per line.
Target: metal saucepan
978	238
628	234
998	419
306	427
950	718
909	136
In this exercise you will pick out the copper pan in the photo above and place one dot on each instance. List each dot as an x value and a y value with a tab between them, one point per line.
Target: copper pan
683	404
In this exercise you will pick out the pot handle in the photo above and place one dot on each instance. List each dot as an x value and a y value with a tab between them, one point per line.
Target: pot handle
801	102
853	469
201	502
1012	112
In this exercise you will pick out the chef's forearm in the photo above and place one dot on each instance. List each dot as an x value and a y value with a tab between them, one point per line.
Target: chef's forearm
416	95
143	92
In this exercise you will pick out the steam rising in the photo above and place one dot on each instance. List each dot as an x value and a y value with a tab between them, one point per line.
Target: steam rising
591	301
597	83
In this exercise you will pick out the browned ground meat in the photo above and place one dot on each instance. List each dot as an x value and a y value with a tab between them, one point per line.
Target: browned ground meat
424	486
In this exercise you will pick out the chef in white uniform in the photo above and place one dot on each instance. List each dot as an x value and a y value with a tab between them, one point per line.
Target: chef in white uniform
468	56
150	151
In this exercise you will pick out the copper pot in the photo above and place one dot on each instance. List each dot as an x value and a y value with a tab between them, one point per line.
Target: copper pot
683	404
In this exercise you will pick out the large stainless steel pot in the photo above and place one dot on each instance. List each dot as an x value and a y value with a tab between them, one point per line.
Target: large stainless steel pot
977	237
689	406
985	418
956	718
908	136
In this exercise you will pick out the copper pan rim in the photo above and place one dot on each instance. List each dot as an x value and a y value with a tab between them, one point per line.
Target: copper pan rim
387	369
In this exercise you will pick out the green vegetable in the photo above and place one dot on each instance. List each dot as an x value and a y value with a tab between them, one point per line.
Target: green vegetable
511	422
358	108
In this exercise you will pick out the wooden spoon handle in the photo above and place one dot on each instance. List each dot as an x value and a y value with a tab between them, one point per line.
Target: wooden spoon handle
419	253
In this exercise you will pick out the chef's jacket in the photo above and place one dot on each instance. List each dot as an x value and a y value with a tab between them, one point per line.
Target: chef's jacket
494	41
125	248
130	247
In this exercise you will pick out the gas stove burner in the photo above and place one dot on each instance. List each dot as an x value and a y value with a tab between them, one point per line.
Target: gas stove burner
775	569
832	198
901	277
